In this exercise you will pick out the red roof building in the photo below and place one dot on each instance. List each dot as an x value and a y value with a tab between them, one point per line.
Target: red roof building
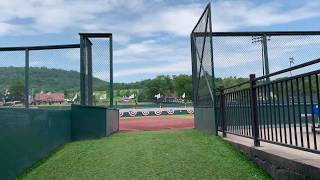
49	97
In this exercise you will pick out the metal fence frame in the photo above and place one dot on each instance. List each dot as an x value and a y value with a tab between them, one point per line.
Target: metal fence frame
196	55
86	85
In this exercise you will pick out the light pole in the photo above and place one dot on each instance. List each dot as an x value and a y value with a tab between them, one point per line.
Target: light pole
264	52
291	61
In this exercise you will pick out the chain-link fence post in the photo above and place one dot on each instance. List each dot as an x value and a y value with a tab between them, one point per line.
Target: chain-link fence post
82	72
194	71
111	71
26	79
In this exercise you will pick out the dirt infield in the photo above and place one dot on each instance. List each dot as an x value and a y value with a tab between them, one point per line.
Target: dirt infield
155	123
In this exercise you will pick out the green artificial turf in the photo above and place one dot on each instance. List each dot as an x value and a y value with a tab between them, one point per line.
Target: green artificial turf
183	154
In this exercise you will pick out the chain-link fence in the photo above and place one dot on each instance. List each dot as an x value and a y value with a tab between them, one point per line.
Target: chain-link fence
237	54
59	75
100	71
40	76
54	79
280	102
12	81
97	80
202	61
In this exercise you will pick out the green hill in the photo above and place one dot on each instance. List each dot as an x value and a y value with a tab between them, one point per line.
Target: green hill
68	82
44	79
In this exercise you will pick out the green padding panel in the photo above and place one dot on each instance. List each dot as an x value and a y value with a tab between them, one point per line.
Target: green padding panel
112	121
26	136
204	119
88	122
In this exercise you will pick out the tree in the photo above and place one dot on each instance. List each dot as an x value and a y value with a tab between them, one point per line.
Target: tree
183	84
160	84
16	91
117	93
127	93
142	96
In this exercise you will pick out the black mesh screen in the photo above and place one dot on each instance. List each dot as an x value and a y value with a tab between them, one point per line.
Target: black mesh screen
202	61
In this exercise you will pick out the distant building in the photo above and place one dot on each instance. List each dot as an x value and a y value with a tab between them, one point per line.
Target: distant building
49	97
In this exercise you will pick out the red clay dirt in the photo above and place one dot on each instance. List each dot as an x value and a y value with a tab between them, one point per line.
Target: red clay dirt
152	123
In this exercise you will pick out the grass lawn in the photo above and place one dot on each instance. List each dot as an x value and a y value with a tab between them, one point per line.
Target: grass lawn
183	154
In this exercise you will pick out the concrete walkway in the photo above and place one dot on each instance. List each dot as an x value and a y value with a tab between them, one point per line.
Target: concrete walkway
279	161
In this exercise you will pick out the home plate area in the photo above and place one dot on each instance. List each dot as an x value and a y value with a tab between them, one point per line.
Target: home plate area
155	123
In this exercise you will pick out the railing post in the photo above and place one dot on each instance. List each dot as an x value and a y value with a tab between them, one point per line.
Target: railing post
222	111
254	111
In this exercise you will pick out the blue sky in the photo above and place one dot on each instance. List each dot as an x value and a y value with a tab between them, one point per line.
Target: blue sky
151	37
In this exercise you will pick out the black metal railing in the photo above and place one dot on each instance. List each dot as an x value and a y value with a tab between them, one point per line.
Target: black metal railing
282	111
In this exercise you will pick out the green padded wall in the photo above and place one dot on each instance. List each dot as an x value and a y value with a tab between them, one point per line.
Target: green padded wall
88	122
26	136
91	122
204	119
112	121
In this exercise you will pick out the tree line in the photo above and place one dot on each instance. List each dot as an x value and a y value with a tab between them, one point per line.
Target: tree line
68	82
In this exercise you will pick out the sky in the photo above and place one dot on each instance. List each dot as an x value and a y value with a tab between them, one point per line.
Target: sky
151	37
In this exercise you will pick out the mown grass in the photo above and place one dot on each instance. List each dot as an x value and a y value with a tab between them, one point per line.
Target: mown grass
183	154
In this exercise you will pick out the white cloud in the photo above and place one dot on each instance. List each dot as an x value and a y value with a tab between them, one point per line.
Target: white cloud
179	67
178	20
152	57
231	15
156	16
141	18
5	27
143	51
51	16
